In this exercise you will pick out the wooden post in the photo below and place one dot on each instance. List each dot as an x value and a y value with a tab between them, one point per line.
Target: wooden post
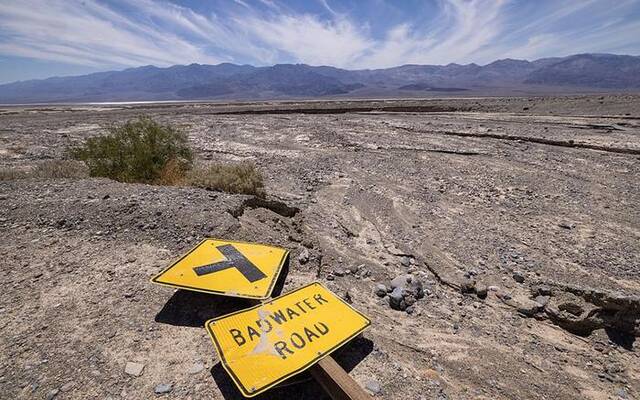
336	381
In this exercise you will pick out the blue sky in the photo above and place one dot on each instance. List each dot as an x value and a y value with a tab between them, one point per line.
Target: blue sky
41	38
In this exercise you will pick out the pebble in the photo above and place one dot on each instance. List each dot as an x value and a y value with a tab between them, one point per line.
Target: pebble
303	257
373	387
405	261
481	290
338	272
400	281
52	394
163	388
542	300
380	290
396	299
134	369
518	277
467	285
196	368
67	387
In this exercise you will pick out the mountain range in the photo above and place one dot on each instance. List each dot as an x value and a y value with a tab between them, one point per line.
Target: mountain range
581	72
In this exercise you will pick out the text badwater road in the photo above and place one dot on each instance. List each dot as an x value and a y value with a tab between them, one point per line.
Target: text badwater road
296	340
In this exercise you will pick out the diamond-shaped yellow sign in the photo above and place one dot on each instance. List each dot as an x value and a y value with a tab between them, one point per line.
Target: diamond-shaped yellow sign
238	269
263	345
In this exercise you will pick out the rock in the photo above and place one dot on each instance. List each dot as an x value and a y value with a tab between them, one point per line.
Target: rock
380	290
196	368
303	257
134	369
52	394
467	285
518	277
338	272
356	268
396	299
481	290
373	387
405	261
543	290
525	306
409	299
330	277
163	388
566	225
67	387
542	300
400	281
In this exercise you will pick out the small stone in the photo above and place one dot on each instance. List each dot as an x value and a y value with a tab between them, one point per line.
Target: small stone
338	272
544	290
566	225
405	261
380	290
467	285
330	277
373	387
67	387
134	369
196	368
621	393
542	300
303	257
52	394
518	277
481	290
163	388
396	299
400	281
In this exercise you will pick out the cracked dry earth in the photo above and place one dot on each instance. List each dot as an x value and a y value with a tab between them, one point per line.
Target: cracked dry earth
520	216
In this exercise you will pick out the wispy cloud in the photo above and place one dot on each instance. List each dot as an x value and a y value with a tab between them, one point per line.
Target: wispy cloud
137	32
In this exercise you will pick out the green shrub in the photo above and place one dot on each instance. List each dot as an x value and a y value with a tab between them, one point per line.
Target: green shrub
242	178
137	151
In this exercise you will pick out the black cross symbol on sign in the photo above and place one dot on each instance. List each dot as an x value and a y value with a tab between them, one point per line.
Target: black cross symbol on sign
234	259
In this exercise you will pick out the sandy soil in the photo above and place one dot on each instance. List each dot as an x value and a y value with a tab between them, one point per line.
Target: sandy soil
534	201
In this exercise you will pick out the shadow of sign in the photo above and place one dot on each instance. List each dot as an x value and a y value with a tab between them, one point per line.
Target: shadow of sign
301	386
189	308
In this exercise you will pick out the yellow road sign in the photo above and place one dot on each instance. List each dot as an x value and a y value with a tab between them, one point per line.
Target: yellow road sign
238	269
264	345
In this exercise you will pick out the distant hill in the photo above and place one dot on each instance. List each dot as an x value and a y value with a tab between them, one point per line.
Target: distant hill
230	81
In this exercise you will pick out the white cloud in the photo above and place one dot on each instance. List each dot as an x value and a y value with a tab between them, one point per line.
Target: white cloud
307	39
90	34
137	32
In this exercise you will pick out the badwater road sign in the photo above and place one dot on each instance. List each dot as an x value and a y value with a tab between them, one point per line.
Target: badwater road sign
225	267
264	345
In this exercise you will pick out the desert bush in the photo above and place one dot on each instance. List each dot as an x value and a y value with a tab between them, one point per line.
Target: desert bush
137	151
60	169
241	178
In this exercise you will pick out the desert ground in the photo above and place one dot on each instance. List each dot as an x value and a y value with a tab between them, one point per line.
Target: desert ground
520	217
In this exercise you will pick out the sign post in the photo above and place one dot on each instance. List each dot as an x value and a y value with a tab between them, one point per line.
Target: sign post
270	342
264	345
228	268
